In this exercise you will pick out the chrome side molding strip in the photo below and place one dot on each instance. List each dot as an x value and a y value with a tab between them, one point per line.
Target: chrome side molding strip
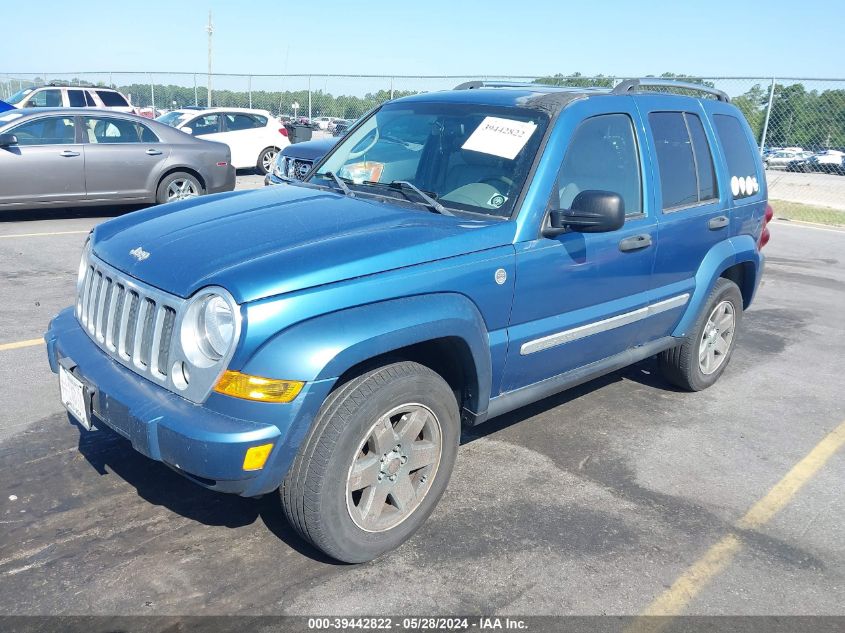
582	331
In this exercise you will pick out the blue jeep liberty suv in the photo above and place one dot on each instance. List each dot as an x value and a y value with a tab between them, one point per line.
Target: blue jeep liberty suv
457	255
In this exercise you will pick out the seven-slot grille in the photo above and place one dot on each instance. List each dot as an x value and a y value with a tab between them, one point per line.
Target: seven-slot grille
131	323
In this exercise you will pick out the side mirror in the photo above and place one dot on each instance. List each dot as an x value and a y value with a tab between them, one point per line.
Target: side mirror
592	211
187	130
8	139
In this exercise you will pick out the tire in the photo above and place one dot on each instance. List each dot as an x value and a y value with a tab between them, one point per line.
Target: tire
697	363
179	185
265	160
348	445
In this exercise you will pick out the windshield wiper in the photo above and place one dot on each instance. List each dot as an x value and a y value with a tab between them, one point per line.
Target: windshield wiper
339	181
435	206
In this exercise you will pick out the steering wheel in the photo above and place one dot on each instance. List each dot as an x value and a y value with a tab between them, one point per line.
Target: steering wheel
494	180
367	148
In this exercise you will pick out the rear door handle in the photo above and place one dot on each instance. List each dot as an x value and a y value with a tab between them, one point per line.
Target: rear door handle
635	242
153	152
69	154
719	222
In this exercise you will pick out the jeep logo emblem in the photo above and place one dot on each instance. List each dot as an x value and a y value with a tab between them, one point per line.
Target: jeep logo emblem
139	253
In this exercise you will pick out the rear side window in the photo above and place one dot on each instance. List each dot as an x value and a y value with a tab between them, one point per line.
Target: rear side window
109	130
236	122
112	99
738	151
687	176
76	98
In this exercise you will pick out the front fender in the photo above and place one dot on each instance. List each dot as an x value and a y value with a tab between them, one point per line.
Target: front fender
735	250
326	346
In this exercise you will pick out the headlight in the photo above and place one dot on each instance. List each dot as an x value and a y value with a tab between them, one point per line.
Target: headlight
216	326
83	265
278	167
210	327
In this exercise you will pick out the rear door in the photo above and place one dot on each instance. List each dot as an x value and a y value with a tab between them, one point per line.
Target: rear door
46	166
122	158
246	135
692	216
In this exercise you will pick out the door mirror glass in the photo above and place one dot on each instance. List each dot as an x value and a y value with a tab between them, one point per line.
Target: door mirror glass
187	130
592	211
8	139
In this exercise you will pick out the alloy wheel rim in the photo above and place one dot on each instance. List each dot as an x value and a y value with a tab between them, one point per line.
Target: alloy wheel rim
717	337
394	467
180	189
267	161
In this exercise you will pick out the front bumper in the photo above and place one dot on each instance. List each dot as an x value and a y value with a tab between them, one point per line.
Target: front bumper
204	442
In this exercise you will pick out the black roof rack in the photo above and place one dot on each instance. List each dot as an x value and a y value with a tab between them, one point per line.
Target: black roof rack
472	85
633	85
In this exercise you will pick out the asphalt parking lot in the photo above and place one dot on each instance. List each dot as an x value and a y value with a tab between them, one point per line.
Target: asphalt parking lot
596	501
827	190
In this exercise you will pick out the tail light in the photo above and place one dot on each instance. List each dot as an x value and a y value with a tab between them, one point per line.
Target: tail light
283	131
764	235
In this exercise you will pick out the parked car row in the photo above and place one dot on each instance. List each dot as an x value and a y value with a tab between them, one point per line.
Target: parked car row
797	159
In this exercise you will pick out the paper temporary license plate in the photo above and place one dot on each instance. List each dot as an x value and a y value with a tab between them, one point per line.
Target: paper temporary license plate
73	397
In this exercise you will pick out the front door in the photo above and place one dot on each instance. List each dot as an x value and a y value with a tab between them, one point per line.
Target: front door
46	165
579	297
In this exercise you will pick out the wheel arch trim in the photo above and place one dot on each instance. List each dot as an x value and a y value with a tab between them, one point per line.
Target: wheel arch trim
741	249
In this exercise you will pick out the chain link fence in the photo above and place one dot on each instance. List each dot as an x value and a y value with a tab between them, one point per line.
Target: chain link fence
798	123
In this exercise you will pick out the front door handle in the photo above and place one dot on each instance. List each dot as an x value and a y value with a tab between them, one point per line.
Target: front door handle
635	242
69	154
719	222
153	152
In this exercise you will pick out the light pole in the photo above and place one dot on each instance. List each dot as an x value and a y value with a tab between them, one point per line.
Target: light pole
210	29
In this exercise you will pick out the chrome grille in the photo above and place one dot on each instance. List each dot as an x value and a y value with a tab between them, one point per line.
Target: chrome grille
132	323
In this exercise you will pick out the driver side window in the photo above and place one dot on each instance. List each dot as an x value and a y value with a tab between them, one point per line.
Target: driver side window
602	155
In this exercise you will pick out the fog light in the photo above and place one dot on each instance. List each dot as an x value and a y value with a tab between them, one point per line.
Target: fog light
238	385
256	457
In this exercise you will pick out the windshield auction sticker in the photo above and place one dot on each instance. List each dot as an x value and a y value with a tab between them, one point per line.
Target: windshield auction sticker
500	137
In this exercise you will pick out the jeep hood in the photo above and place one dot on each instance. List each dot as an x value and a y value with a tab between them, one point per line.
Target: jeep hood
281	239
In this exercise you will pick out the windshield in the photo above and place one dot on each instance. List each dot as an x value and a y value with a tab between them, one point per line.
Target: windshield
18	96
172	118
468	157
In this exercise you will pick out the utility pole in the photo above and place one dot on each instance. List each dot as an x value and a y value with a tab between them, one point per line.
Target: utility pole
210	29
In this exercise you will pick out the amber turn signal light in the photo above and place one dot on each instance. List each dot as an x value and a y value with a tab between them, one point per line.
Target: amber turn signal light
238	385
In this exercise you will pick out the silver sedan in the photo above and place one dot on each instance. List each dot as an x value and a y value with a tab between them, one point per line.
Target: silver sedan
68	157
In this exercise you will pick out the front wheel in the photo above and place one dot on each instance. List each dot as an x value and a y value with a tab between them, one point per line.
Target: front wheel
703	355
376	462
266	159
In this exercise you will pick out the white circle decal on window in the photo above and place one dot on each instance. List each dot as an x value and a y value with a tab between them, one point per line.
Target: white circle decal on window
755	185
735	186
742	185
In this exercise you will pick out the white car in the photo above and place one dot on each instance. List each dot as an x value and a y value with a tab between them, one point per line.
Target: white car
779	160
66	96
254	136
322	122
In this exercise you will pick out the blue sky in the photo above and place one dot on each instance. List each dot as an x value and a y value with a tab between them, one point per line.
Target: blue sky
432	37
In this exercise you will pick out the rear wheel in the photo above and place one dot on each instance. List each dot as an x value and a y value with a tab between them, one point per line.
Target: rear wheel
178	186
701	358
376	462
266	159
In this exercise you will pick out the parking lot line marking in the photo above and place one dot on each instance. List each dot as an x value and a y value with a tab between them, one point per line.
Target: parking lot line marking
674	600
18	344
802	225
42	234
